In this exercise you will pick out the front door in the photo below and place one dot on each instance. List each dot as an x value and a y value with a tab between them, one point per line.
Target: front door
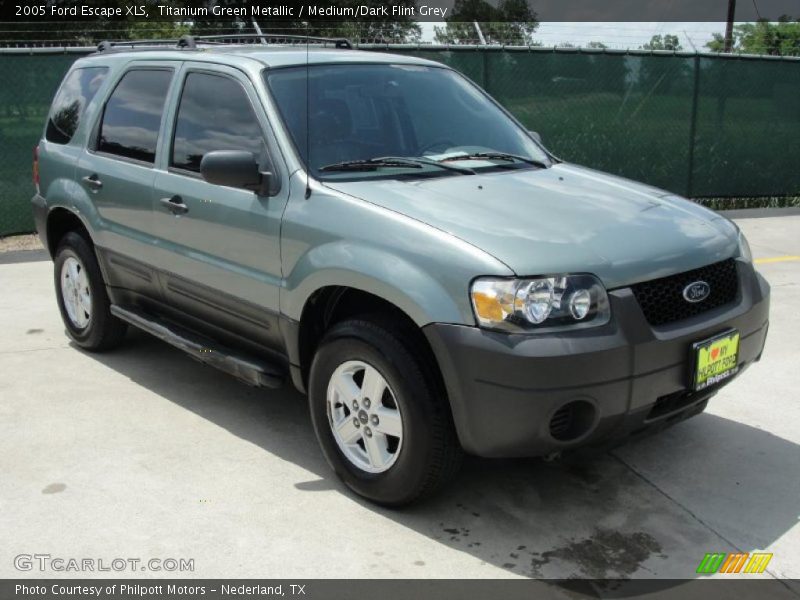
220	246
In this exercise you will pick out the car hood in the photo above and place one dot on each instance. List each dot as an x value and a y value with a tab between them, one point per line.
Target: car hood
562	219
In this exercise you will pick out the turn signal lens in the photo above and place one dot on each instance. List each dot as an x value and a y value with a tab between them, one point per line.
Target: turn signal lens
36	168
494	301
487	306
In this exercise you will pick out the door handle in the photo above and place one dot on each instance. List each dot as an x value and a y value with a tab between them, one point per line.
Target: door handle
175	205
92	181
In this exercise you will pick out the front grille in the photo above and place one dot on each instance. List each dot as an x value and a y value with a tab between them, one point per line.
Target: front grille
662	300
672	403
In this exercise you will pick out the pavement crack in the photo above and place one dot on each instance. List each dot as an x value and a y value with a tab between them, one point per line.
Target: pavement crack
675	501
696	517
33	349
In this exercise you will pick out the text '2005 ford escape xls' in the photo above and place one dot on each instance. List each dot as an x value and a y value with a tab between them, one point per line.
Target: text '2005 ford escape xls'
380	231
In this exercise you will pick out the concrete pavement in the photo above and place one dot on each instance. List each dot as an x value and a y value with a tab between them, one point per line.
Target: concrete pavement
144	453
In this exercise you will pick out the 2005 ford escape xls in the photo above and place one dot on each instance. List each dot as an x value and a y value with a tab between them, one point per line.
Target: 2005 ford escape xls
381	232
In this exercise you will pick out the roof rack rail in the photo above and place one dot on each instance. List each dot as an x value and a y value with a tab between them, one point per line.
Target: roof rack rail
189	42
185	41
342	43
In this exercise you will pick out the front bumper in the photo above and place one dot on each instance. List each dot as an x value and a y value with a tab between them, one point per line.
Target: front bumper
623	378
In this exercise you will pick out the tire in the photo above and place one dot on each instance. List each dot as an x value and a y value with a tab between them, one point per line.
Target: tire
426	455
95	329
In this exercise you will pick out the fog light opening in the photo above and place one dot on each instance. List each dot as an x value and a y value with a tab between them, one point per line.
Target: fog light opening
572	421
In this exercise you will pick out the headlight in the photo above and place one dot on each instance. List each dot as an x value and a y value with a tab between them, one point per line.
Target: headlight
540	304
744	248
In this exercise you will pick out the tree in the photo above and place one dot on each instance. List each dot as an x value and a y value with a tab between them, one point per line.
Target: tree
157	30
596	45
511	22
660	77
666	42
781	38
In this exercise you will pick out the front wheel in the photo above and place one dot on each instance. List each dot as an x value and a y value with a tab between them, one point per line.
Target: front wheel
382	421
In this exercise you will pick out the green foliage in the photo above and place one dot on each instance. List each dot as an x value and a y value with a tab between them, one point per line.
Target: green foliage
777	39
511	22
157	30
666	42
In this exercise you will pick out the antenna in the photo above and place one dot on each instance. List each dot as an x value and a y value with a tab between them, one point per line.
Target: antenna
308	123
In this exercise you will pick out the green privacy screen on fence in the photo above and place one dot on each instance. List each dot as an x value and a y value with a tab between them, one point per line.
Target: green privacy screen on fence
27	84
696	125
700	126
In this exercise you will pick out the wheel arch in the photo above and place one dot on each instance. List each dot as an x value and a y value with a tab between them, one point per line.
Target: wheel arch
333	304
61	221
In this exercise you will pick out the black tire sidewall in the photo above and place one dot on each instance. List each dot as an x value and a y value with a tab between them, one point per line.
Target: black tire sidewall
403	480
75	246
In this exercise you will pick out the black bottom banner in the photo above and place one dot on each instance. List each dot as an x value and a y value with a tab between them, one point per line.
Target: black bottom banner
397	589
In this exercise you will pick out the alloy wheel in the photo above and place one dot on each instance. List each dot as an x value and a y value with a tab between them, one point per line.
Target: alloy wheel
76	293
364	416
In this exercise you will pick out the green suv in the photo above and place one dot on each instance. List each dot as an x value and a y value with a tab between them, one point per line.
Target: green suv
381	232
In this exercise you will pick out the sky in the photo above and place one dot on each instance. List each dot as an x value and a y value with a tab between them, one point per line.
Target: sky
621	36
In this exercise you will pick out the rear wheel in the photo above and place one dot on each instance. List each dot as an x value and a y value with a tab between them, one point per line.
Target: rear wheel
381	419
82	297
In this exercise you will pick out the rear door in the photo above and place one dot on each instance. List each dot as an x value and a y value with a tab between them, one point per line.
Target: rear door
118	168
220	246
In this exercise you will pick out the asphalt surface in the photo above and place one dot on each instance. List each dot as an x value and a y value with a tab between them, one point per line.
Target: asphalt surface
144	453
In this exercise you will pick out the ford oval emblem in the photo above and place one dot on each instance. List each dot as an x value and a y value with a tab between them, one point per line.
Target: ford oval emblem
696	292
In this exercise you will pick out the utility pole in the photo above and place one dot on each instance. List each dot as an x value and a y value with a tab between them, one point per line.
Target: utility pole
480	33
728	46
258	30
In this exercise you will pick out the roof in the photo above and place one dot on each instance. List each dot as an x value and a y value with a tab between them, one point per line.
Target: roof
271	55
284	56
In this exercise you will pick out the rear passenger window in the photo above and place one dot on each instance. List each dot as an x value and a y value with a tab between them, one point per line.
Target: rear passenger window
75	93
214	114
132	117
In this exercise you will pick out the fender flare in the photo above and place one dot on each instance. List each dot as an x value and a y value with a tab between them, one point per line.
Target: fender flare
373	270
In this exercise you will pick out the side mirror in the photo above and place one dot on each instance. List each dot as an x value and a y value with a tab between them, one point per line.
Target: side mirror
535	135
235	168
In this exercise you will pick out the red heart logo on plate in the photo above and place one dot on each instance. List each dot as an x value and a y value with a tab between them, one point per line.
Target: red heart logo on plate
714	353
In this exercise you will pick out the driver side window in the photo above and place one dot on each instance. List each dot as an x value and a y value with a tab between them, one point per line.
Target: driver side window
214	114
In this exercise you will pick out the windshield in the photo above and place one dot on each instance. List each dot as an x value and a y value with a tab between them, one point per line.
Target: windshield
393	112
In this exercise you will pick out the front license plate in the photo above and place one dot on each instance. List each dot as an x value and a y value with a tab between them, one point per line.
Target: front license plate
716	359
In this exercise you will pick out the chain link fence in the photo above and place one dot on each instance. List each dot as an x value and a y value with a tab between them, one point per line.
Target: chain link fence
28	83
698	125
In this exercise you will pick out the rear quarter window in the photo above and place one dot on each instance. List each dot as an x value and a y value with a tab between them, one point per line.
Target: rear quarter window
70	102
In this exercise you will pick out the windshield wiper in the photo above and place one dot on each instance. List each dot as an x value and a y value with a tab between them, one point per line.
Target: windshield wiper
438	163
496	156
387	162
371	164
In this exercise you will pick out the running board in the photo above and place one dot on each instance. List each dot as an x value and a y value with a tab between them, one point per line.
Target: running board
253	371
